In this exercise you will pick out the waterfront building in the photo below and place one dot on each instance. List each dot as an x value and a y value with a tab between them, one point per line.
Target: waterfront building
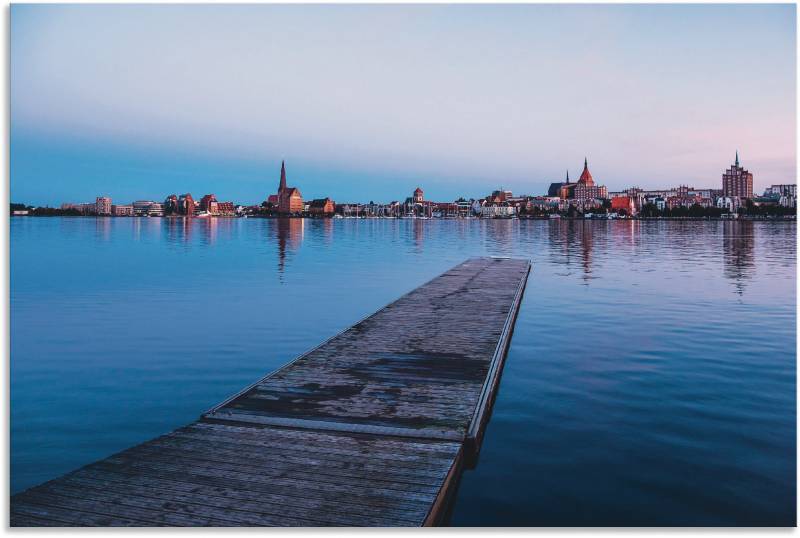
555	188
781	190
324	207
497	210
170	205
103	205
122	210
89	208
156	209
786	195
206	201
737	182
624	205
225	209
731	203
144	208
417	206
288	200
186	205
543	203
585	190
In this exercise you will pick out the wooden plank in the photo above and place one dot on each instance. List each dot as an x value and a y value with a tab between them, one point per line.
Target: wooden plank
371	427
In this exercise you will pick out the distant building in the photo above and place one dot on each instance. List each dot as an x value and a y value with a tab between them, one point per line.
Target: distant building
624	204
186	205
103	205
418	196
156	209
89	208
555	188
584	190
170	205
781	190
737	182
145	208
206	201
502	195
497	209
731	203
288	200
122	210
225	209
785	194
321	207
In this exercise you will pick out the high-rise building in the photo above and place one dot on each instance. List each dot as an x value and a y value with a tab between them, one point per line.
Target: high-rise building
103	205
737	182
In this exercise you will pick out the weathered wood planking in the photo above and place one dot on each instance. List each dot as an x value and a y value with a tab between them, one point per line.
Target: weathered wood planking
371	428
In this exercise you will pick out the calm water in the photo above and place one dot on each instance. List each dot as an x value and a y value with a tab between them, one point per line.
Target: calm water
650	380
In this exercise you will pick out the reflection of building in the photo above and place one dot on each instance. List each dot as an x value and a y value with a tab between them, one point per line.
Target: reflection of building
290	236
573	237
288	200
737	252
103	205
737	182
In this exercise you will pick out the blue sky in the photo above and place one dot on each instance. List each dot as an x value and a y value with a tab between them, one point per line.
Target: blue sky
367	102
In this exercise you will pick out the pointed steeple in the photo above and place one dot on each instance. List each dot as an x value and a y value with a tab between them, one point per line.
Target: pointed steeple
282	186
737	157
567	176
586	176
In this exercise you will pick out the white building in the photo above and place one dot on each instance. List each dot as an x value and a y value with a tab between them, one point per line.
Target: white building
103	205
122	210
495	210
731	203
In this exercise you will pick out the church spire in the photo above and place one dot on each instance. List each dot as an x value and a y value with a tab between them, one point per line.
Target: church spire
737	157
567	176
585	163
282	186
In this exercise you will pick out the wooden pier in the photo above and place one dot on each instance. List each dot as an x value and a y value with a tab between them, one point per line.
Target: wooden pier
371	428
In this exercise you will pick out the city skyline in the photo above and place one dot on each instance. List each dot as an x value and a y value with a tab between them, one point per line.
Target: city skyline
371	101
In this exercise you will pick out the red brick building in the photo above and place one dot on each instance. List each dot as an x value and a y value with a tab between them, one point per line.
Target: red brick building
585	189
737	182
290	201
626	204
322	207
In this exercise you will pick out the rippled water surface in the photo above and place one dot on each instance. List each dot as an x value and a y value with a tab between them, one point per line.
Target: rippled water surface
650	379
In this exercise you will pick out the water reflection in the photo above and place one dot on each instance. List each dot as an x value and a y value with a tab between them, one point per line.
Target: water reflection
179	230
289	233
571	238
102	228
737	252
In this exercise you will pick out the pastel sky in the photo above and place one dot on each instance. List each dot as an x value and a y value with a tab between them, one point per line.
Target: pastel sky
366	102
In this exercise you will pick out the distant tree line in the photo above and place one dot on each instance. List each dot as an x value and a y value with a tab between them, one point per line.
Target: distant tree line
46	211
